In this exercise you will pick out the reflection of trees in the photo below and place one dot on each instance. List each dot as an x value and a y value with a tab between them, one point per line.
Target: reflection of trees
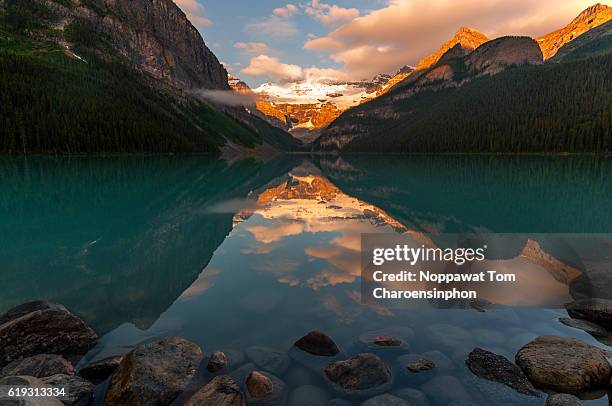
115	239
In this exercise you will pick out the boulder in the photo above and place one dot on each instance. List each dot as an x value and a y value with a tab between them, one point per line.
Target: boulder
598	311
420	365
221	391
99	371
43	328
564	364
27	381
264	388
595	284
79	391
268	359
216	362
563	399
364	374
586	326
385	400
318	343
38	366
387	341
487	365
154	373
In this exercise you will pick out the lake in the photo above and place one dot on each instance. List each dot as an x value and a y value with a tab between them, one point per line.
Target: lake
249	254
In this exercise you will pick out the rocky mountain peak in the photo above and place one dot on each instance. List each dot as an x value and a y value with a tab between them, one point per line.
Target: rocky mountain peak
494	56
590	18
468	38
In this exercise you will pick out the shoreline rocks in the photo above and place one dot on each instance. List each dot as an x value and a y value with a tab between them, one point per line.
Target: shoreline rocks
42	327
154	373
38	366
562	399
264	388
216	362
222	390
99	371
593	329
598	311
318	343
364	374
487	365
80	391
27	381
564	364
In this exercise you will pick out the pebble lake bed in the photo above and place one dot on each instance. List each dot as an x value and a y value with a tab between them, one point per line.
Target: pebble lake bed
198	282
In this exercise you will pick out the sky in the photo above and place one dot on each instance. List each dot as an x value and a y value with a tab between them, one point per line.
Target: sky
312	40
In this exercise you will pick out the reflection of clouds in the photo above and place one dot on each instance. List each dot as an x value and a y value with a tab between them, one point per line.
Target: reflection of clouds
202	284
268	234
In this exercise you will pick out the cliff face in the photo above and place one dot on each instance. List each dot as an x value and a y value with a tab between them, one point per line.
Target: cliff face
159	39
496	55
589	18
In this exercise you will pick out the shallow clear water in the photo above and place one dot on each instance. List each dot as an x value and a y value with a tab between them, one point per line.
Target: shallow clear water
236	255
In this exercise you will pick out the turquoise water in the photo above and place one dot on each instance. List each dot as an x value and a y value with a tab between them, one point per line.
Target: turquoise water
222	254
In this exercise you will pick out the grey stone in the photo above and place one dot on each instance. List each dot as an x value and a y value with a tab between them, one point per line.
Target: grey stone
99	371
385	400
586	326
38	366
364	374
154	373
563	399
308	395
27	381
79	391
273	361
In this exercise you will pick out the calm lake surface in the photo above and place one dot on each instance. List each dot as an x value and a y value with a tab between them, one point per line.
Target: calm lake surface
242	255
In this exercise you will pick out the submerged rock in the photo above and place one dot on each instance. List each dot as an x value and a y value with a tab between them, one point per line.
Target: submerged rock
318	343
216	362
154	373
221	391
99	371
422	364
43	328
385	400
564	364
598	311
414	396
27	381
563	399
591	328
269	359
387	341
364	374
264	388
38	366
497	368
78	390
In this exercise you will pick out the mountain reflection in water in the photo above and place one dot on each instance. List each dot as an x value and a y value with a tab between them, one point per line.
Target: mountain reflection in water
276	245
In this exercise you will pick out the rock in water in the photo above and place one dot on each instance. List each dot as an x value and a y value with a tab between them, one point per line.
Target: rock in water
78	390
385	400
564	364
364	374
98	371
598	311
264	388
22	382
43	328
217	361
422	364
493	367
318	343
586	326
221	391
592	285
39	366
154	373
308	395
387	341
442	390
563	399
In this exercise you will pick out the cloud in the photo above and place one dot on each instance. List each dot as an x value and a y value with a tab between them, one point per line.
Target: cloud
194	11
330	14
252	47
273	69
228	98
404	31
273	26
287	11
